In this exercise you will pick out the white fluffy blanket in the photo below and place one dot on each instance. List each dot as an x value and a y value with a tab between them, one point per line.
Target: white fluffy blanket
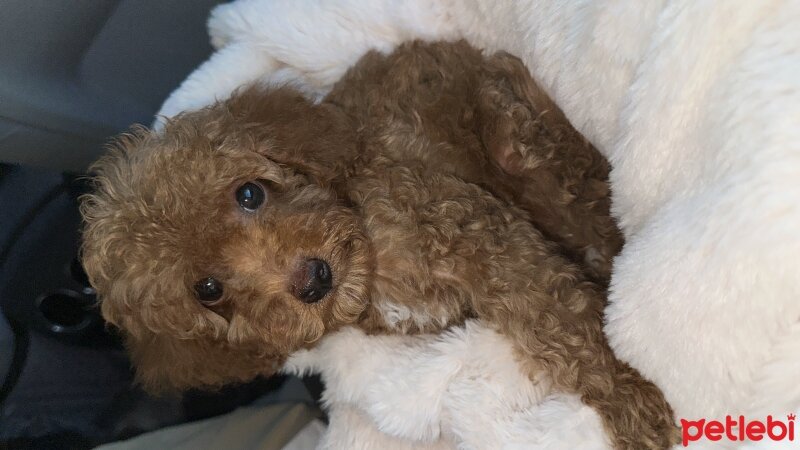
697	105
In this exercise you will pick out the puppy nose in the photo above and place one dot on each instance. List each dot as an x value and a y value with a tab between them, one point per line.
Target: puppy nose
313	281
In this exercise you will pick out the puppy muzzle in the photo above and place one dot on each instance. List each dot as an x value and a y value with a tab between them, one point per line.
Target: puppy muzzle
312	281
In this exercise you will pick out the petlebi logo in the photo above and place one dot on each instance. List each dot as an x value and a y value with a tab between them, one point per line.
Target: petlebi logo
738	429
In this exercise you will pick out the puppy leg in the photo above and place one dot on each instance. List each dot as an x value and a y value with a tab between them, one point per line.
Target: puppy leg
559	177
556	319
555	323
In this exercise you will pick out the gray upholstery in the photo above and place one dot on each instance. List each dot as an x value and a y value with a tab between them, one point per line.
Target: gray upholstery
75	72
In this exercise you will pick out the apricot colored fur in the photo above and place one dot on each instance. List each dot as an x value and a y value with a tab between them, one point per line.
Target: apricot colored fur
437	183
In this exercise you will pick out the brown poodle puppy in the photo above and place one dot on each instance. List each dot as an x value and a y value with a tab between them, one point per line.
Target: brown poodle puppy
248	230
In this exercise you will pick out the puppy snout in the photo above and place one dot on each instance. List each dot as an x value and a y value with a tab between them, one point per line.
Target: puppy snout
312	281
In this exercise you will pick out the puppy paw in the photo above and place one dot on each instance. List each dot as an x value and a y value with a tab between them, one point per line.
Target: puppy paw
598	262
638	416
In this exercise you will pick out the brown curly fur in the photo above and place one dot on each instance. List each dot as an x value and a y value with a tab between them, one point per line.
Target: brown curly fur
403	180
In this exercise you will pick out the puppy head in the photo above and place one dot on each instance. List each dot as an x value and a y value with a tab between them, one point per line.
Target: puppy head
219	245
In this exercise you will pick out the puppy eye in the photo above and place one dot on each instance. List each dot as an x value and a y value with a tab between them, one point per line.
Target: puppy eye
208	290
250	196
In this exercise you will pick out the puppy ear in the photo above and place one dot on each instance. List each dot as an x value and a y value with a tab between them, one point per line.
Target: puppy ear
316	139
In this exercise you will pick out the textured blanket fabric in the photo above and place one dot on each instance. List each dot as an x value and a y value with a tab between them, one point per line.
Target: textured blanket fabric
462	388
697	106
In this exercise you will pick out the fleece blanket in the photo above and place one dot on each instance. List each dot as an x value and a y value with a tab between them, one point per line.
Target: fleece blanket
696	103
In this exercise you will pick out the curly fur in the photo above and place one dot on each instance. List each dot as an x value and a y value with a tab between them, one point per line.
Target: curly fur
403	179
